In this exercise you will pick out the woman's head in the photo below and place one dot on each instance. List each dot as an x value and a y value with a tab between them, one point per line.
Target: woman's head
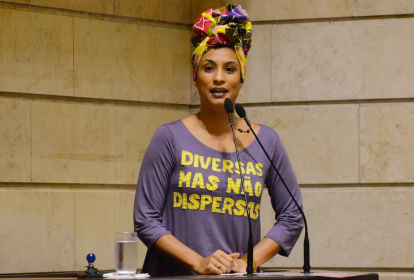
221	38
218	76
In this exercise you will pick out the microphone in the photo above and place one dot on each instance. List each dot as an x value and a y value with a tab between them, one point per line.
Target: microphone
306	255
228	105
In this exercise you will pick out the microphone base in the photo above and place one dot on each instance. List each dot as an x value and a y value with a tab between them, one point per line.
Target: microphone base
250	274
306	268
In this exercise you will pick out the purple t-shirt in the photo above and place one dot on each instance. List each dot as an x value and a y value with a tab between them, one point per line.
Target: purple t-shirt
194	192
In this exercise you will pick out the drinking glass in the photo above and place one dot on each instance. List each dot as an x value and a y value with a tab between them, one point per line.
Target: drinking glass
126	252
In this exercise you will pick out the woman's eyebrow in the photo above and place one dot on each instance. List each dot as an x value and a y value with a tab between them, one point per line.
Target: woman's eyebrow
208	60
213	62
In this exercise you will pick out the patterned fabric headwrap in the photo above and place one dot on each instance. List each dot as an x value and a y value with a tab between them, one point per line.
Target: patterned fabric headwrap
229	26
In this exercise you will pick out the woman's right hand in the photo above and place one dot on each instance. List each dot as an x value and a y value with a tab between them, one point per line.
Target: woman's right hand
217	263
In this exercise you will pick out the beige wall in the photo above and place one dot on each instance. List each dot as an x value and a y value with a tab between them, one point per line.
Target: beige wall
272	10
81	94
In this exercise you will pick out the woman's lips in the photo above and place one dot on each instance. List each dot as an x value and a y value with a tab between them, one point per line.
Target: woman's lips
218	92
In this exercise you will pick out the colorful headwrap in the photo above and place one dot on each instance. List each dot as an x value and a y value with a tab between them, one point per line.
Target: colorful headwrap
229	26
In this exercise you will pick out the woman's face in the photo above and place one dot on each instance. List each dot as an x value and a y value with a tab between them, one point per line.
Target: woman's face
218	77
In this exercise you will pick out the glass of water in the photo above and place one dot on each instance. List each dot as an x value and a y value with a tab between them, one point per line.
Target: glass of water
126	252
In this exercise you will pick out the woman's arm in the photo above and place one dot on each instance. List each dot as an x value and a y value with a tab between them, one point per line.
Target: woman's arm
263	251
285	232
154	177
289	225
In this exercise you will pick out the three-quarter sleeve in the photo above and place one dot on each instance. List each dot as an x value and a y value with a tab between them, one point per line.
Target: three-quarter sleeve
153	182
289	222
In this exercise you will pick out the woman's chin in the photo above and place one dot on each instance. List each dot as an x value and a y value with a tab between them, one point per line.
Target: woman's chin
215	100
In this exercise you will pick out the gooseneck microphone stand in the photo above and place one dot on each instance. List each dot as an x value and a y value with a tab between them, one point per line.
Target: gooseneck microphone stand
306	254
228	105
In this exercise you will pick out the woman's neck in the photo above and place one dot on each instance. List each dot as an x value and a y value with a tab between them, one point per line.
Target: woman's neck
216	123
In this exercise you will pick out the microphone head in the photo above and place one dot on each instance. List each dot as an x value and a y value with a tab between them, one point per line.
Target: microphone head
240	111
228	105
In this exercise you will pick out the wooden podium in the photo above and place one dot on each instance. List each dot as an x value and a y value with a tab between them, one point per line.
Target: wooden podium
318	275
280	275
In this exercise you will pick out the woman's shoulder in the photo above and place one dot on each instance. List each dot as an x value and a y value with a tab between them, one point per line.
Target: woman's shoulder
269	138
173	130
167	131
267	131
172	126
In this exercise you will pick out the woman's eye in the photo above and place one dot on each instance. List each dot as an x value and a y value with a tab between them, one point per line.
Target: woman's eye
209	68
230	69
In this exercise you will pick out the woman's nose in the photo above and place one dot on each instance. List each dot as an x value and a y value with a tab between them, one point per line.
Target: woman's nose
218	76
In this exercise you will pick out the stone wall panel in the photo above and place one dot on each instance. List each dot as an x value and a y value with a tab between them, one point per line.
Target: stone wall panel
321	141
113	60
387	146
346	226
36	53
15	141
37	232
177	11
101	6
343	60
73	143
172	65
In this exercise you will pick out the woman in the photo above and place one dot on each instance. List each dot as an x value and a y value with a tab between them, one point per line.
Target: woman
189	205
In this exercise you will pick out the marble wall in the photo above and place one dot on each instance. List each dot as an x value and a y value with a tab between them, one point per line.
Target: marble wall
85	84
271	10
59	55
175	11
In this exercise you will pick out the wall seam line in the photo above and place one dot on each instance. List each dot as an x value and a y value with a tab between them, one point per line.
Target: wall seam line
333	19
89	15
74	231
78	13
359	7
115	150
31	142
191	11
73	61
153	64
159	105
359	144
271	63
91	101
